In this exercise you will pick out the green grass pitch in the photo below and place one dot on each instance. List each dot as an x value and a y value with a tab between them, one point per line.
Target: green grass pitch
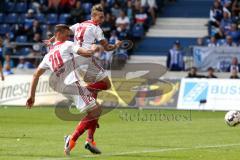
123	134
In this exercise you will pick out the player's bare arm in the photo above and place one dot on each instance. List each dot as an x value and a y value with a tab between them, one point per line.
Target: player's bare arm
31	98
1	72
110	47
85	52
88	52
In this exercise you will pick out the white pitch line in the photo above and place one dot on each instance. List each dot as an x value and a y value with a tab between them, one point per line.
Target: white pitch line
163	150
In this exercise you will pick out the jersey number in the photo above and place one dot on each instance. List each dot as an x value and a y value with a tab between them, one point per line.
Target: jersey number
56	60
80	34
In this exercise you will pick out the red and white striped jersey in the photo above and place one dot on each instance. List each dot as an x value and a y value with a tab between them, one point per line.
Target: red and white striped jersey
59	54
86	33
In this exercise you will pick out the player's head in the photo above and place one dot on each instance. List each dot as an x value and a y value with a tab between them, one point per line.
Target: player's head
62	32
97	14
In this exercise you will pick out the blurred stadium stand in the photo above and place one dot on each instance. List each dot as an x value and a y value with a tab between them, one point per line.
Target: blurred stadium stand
18	24
183	21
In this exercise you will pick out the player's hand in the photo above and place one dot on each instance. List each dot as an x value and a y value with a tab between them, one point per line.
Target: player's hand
118	43
95	48
47	42
30	102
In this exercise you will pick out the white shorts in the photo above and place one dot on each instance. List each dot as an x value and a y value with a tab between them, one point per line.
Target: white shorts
88	73
84	101
92	72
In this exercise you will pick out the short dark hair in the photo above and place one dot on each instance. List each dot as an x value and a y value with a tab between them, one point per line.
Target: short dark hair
61	28
210	69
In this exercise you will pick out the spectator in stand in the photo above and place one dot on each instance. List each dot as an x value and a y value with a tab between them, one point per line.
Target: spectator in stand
234	65
122	22
36	6
151	4
129	11
53	6
1	50
40	6
229	42
24	64
66	5
115	10
34	29
216	14
107	26
18	29
223	65
106	7
141	18
7	70
213	42
36	38
1	58
28	23
211	73
8	65
7	47
8	61
225	25
123	34
114	38
175	61
236	8
234	33
77	13
1	72
234	74
200	42
36	47
227	5
193	73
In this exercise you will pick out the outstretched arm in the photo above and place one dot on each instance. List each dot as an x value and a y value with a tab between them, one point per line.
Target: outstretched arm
48	42
88	52
110	47
31	98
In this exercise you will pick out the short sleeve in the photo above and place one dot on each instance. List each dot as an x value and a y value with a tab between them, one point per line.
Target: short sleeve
99	34
43	64
73	28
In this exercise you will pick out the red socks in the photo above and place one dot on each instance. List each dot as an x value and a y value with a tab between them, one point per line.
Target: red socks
91	130
101	85
86	123
80	129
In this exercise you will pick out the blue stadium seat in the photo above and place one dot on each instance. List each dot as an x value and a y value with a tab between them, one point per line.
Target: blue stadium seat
21	18
1	17
137	31
21	7
63	18
41	18
52	18
10	6
24	51
221	41
21	39
87	7
44	28
11	18
4	28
